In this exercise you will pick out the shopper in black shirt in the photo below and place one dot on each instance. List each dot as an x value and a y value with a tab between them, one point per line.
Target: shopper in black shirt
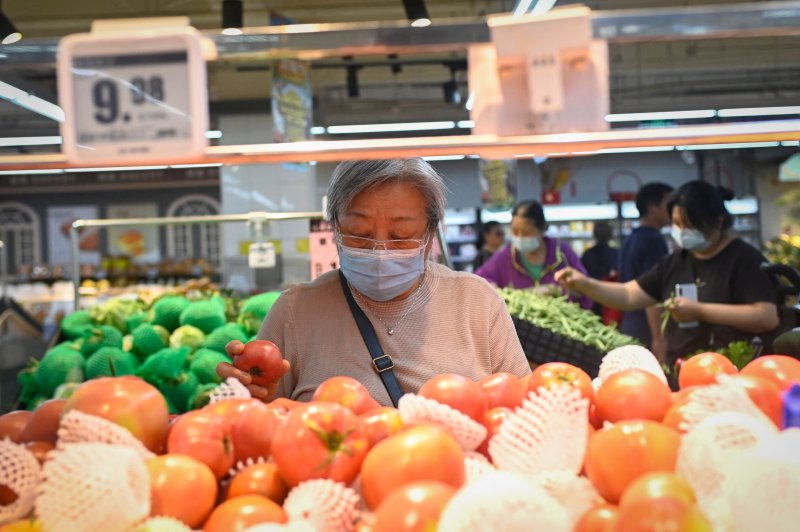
493	237
600	260
735	300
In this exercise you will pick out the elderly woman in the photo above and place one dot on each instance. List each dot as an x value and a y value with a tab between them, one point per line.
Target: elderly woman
427	318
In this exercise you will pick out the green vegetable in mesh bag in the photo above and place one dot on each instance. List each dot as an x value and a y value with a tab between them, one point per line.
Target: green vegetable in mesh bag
186	336
110	362
179	390
75	345
28	385
117	311
167	311
204	365
201	396
102	336
134	321
57	367
255	309
149	338
205	315
166	364
66	390
220	336
74	325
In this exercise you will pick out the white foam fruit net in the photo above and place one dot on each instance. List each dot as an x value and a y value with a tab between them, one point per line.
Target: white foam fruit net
416	409
79	427
291	526
707	450
93	486
230	389
503	501
575	494
547	433
326	505
19	472
162	524
630	357
476	466
726	396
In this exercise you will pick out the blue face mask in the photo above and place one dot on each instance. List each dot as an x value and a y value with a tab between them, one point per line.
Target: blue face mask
381	274
526	244
689	239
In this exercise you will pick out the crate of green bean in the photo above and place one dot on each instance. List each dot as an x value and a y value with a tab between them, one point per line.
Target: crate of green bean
553	329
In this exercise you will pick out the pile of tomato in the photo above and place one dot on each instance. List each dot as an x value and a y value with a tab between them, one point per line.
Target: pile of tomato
230	465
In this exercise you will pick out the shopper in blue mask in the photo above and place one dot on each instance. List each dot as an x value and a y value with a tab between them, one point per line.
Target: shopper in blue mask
531	259
426	318
712	286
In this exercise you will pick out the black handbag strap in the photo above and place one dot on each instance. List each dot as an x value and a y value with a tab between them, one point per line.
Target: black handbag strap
382	362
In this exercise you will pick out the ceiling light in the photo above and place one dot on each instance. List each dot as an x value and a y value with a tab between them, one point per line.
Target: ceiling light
214	134
465	124
9	34
664	115
759	111
232	14
232	31
116	168
444	157
30	141
386	128
729	146
417	13
635	149
317	130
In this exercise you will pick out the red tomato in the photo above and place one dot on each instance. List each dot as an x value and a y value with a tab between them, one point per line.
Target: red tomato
681	395
12	425
674	418
594	418
599	518
622	453
703	369
633	394
413	507
253	430
43	424
181	487
259	479
456	391
262	360
655	486
285	404
381	423
657	515
765	394
561	374
205	437
319	440
494	418
40	449
7	496
230	409
347	392
424	452
781	369
504	389
243	512
127	401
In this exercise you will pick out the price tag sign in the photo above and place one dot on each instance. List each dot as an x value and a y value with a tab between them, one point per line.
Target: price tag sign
261	255
133	98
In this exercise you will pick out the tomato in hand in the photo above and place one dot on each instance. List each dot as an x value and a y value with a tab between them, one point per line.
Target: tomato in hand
781	369
504	389
553	374
262	360
347	392
458	392
181	487
319	440
632	394
204	436
704	368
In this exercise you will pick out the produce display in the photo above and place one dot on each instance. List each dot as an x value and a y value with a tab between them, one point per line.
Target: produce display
552	451
174	342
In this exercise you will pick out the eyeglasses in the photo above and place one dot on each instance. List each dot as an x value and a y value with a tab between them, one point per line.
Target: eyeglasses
369	243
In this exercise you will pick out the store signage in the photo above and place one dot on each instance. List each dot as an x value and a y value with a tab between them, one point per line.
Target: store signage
292	103
322	248
790	169
133	97
498	179
261	255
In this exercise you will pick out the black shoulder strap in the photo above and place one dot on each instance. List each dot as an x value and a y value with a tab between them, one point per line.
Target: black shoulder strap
382	362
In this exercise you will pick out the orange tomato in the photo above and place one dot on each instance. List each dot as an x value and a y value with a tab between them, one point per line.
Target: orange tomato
205	436
561	374
622	453
240	513
504	389
494	418
765	394
253	429
12	425
43	424
703	369
259	479
657	515
632	394
599	518
230	409
459	392
40	449
181	487
413	507
655	486
424	452
781	369
346	391
381	423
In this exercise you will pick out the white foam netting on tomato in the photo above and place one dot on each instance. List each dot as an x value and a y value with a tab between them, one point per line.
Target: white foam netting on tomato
547	433
161	524
503	501
416	409
476	466
291	526
79	427
326	505
20	472
728	395
630	357
93	486
574	493
707	450
230	389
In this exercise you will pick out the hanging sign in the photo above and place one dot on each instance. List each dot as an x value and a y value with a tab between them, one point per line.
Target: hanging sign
133	96
498	180
292	103
261	255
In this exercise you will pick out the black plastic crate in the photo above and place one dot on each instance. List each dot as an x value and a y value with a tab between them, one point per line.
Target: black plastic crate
543	345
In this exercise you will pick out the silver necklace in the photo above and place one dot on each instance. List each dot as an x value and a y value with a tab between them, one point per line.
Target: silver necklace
390	329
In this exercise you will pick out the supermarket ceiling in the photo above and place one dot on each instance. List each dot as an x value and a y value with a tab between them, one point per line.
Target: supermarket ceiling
647	76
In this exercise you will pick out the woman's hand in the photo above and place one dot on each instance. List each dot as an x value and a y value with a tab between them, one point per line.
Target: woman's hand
226	371
683	310
570	278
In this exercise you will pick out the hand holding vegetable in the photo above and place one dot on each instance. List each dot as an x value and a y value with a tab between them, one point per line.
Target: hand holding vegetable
570	278
682	309
258	365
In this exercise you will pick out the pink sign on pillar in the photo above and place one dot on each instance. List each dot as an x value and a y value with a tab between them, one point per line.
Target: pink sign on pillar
322	248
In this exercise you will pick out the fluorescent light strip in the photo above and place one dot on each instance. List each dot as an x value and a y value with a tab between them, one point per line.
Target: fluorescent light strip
465	124
198	165
542	7
445	157
664	115
116	168
30	172
637	149
214	134
470	101
30	141
522	7
385	128
790	143
728	146
759	111
317	130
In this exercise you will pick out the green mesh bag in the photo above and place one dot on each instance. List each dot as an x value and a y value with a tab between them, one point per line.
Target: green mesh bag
148	339
179	389
167	311
255	309
201	396
187	336
110	362
220	337
205	315
204	365
74	325
166	364
102	336
57	367
134	321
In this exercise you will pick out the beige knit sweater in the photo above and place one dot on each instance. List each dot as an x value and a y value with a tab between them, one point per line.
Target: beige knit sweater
457	323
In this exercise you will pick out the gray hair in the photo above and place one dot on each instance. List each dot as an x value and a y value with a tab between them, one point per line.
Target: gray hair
352	177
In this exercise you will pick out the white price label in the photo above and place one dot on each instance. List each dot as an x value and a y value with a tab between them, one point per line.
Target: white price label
261	255
133	99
